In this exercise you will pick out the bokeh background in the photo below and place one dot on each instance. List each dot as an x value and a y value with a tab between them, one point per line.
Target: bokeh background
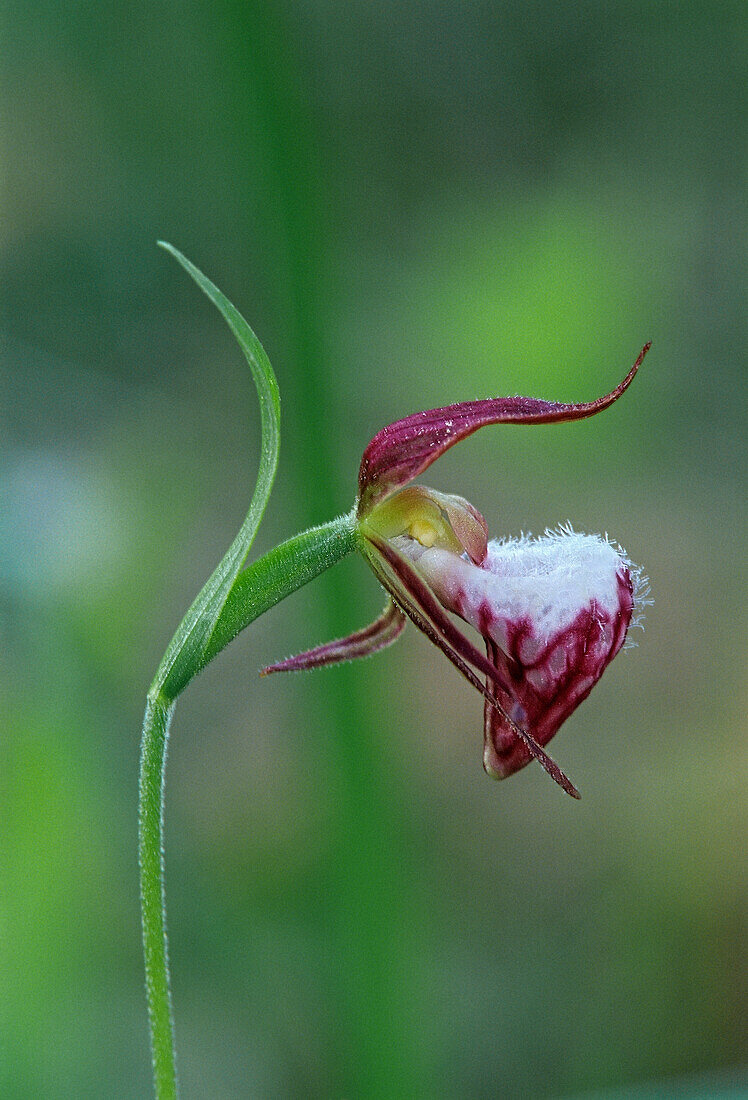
412	204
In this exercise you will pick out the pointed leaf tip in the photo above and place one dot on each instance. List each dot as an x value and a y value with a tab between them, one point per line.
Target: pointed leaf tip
185	654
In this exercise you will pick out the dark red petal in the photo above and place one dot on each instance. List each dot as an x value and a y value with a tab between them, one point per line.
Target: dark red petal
403	450
362	643
425	611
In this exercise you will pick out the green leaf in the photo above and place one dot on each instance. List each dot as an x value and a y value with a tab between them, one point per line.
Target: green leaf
184	656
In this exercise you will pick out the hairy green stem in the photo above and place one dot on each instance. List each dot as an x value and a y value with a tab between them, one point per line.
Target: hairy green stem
259	587
158	715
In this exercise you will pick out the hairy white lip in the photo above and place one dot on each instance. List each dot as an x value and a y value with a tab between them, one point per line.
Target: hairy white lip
543	581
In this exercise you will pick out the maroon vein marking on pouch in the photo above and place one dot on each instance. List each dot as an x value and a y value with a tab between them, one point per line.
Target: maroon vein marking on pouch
458	649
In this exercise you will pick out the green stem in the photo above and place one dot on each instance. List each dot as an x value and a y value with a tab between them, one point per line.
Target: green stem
158	714
259	587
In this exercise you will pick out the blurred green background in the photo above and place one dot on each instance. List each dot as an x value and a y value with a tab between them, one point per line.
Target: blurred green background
412	204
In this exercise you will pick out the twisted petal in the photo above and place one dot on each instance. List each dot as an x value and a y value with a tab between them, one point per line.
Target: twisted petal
403	450
399	577
379	634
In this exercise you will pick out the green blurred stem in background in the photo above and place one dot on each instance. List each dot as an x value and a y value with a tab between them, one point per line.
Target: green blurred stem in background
366	905
259	587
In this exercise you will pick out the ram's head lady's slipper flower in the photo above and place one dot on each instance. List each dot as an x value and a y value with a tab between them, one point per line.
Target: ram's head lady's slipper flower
553	611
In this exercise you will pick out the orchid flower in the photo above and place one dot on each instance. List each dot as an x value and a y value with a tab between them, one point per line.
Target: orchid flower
553	611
